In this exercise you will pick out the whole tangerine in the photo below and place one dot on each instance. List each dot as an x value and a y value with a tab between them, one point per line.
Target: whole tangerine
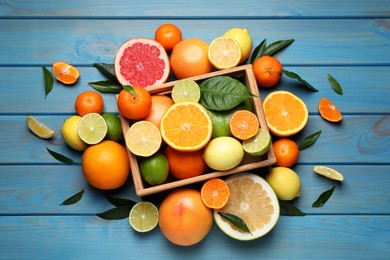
168	35
286	152
268	71
89	102
135	104
160	104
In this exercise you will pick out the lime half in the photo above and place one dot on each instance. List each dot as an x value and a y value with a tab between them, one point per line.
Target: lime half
185	90
92	128
38	128
143	216
258	144
329	173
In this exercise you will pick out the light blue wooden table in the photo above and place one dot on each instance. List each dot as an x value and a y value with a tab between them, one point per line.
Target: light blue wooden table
349	39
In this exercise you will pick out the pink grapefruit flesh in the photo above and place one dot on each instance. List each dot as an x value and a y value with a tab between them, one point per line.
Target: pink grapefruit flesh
141	62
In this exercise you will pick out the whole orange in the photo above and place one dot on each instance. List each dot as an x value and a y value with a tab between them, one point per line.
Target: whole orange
106	165
183	218
135	105
183	165
160	104
89	102
168	35
286	152
268	71
190	58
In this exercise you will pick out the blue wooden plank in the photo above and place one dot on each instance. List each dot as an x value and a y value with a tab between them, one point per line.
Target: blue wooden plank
196	9
83	42
79	237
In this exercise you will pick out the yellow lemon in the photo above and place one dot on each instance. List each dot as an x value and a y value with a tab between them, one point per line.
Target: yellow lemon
244	39
70	133
285	182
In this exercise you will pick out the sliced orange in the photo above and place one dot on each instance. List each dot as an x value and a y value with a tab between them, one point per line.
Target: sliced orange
65	72
186	126
215	193
244	124
286	114
329	111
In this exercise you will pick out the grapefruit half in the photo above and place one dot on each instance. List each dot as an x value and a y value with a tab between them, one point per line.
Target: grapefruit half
141	62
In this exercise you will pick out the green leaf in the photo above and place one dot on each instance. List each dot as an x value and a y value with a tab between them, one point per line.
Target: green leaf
116	213
107	70
130	89
309	140
335	85
222	93
323	198
277	46
259	51
73	199
120	202
236	221
293	75
288	209
60	157
106	86
49	81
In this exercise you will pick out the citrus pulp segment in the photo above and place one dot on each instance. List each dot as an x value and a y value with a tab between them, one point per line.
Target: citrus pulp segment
65	72
92	128
253	200
141	62
329	173
215	193
143	216
224	52
329	111
258	144
286	114
185	90
186	126
143	138
38	128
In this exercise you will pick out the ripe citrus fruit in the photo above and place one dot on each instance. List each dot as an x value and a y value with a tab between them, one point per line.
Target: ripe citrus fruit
92	128
38	128
70	133
186	126
286	152
215	193
65	72
329	173
143	138
184	165
89	102
244	124
258	144
160	104
189	58
106	165
143	216
243	39
168	35
224	52
185	90
114	127
285	182
286	114
223	153
154	169
134	104
329	111
141	62
183	218
268	71
253	200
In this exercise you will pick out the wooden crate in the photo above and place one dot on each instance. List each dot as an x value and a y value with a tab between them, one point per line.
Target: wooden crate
243	73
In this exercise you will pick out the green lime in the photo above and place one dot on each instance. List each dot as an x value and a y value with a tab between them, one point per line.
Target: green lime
143	216
114	127
185	90
259	144
92	128
154	169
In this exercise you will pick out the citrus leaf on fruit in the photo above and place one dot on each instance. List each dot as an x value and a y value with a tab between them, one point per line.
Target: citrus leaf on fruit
323	198
277	46
222	93
335	85
60	157
293	75
49	81
106	86
288	209
130	89
259	51
236	221
107	70
116	213
120	202
73	199
309	140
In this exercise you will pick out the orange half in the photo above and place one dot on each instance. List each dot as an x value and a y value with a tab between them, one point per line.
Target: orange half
215	193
